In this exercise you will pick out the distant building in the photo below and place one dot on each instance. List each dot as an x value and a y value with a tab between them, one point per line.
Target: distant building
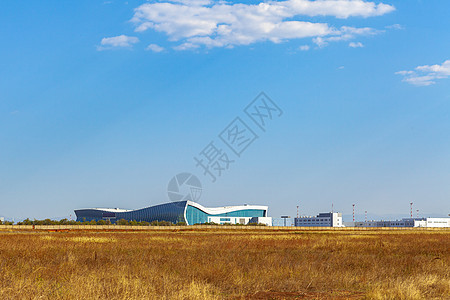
405	222
182	211
433	222
321	220
2	219
240	220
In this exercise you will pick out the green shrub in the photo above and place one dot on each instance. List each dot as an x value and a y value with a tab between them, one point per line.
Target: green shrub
122	222
161	223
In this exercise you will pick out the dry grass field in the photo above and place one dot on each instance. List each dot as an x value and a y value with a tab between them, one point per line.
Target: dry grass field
225	264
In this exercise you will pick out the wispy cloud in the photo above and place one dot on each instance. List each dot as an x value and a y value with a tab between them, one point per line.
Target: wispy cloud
355	45
121	41
395	26
304	48
154	48
427	74
197	23
345	33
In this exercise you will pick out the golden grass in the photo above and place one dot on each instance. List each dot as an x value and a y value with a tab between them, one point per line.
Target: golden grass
225	264
81	239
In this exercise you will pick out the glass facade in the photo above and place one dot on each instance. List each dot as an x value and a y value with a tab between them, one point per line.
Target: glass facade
197	216
89	215
170	212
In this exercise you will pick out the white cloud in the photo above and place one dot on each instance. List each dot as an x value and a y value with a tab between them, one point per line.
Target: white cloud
304	48
395	26
195	23
155	48
117	41
345	33
355	45
427	74
192	2
404	73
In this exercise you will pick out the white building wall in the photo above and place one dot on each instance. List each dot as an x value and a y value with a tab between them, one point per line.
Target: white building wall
438	222
419	223
264	220
241	220
229	220
337	220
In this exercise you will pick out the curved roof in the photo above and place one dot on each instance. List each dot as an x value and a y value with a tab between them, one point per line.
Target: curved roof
106	209
225	209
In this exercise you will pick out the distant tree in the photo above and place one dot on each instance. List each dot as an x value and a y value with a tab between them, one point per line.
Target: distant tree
122	222
27	221
181	224
256	224
165	223
207	223
49	222
161	223
101	222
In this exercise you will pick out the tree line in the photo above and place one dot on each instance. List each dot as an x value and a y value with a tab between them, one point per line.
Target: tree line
92	222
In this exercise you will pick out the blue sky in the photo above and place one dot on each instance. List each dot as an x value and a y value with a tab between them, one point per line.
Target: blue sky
103	102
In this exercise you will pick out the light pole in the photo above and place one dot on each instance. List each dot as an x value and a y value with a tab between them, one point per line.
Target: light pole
353	213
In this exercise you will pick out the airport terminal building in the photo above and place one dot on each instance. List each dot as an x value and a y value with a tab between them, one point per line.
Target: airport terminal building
182	211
